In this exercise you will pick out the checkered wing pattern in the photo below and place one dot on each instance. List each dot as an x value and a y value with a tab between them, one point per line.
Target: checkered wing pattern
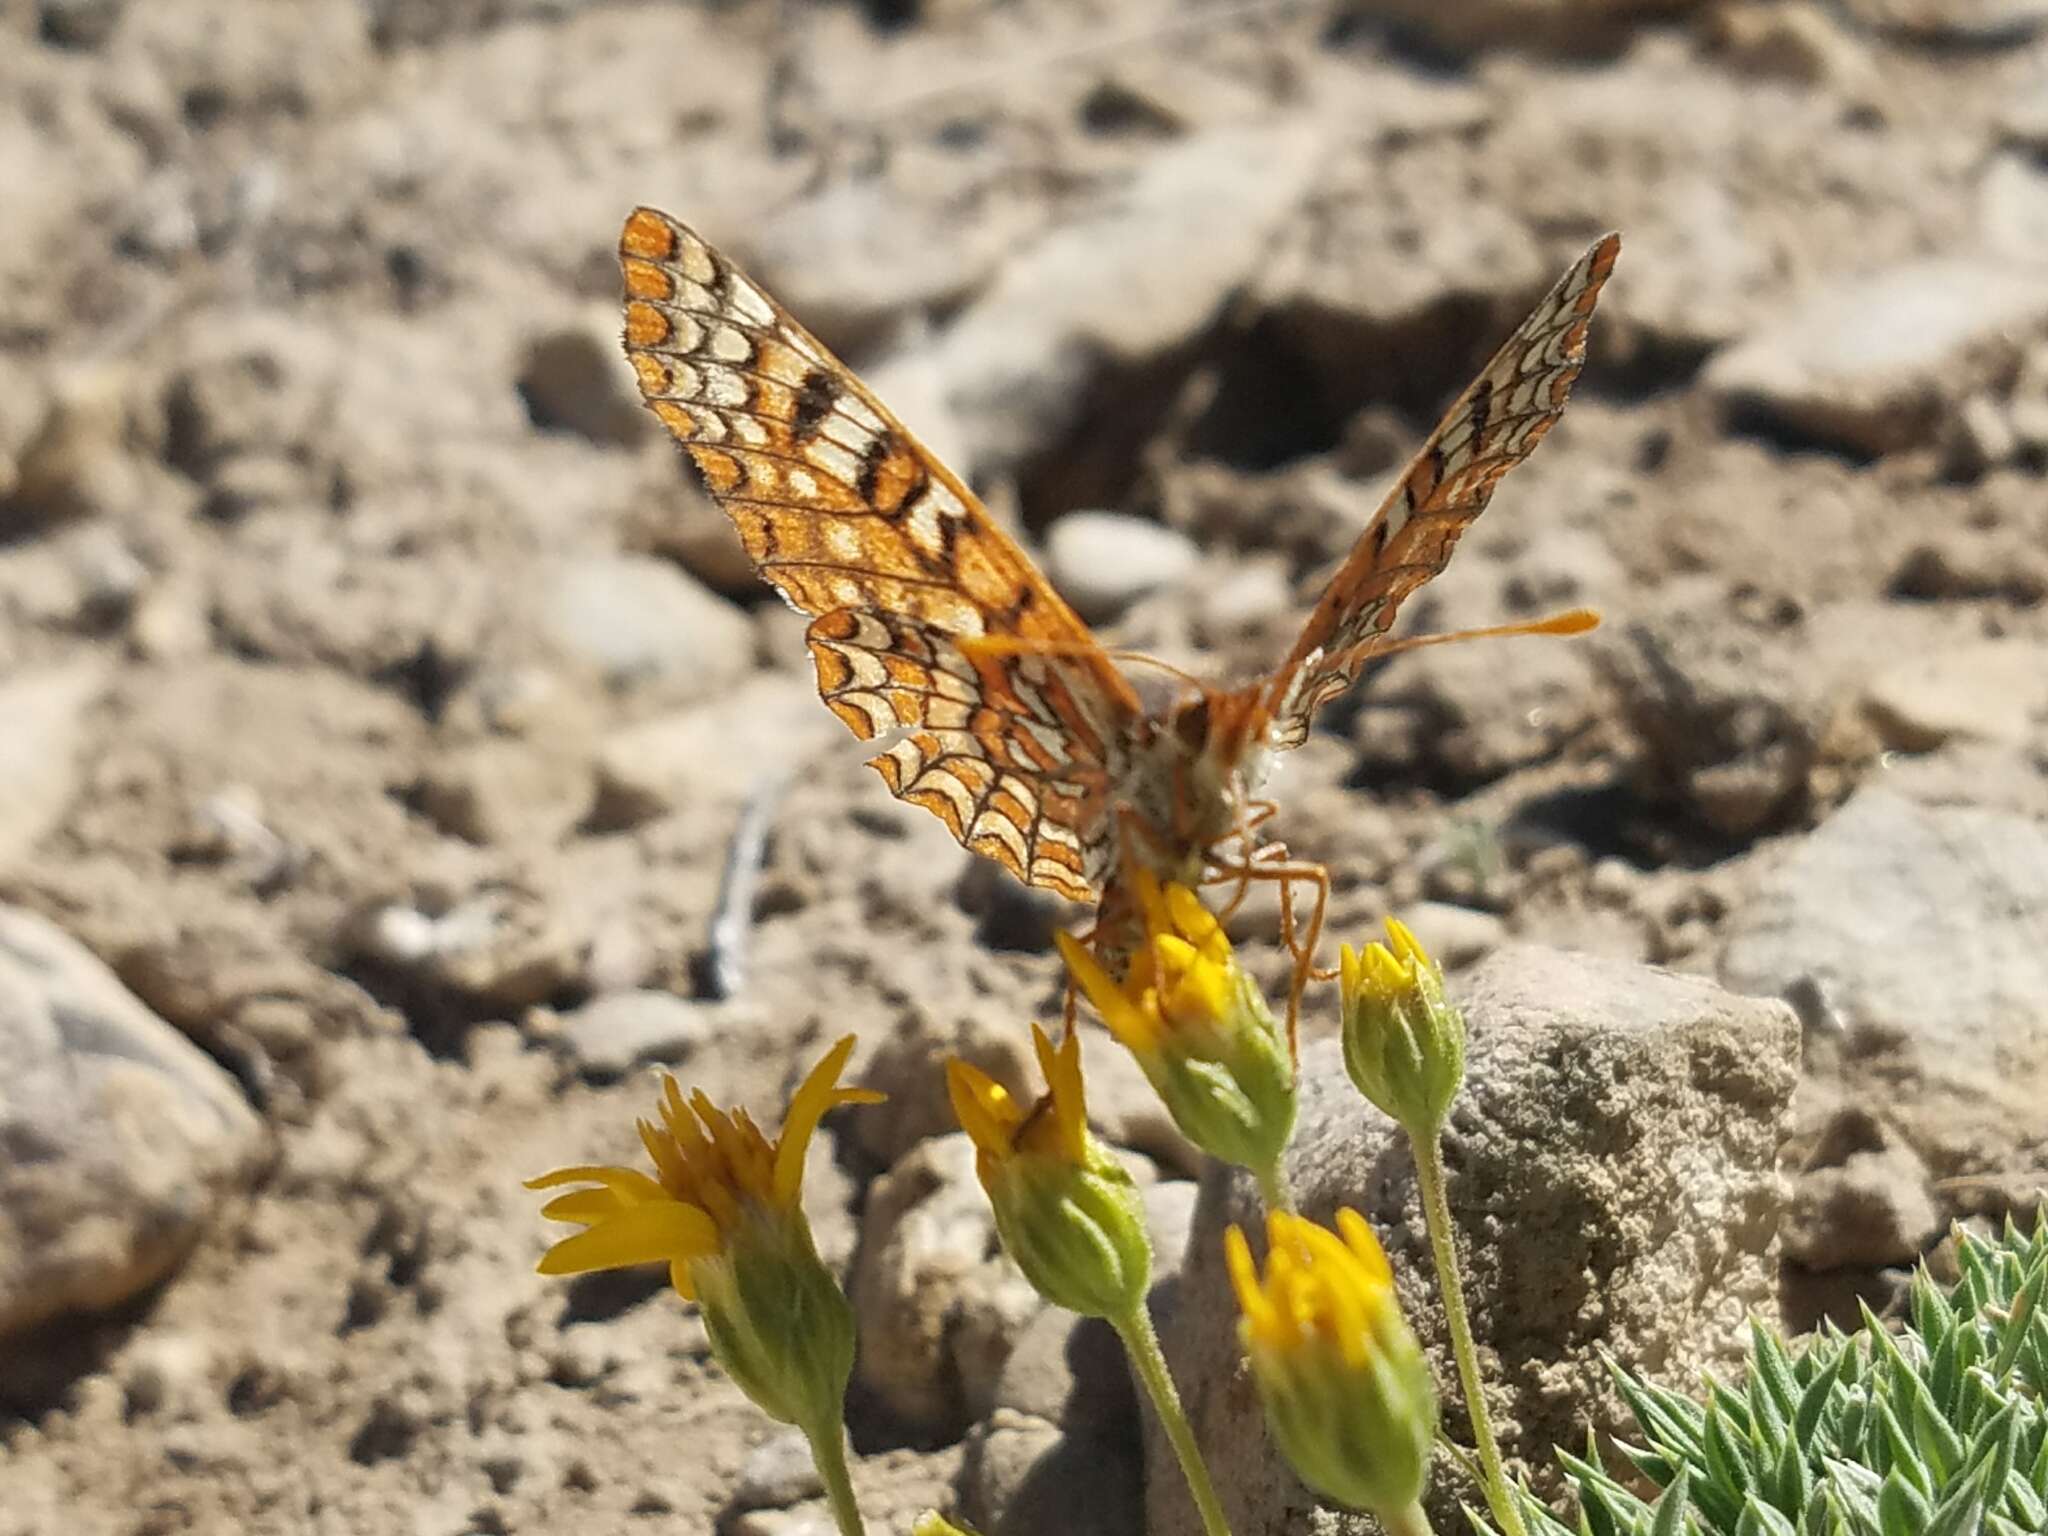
929	625
1491	428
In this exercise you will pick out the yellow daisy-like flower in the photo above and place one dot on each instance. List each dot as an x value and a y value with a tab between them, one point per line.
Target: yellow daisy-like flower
1404	1042
723	1211
1067	1211
1199	1027
1347	1392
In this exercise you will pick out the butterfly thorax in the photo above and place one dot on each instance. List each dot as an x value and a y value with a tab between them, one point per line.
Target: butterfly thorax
1192	770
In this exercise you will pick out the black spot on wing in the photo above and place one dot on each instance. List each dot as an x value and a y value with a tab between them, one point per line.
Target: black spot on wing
814	402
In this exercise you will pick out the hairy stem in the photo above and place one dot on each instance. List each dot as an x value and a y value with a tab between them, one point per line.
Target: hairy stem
1436	1214
828	1454
1143	1345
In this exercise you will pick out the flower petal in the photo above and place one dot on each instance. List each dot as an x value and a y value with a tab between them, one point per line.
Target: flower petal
984	1108
629	1184
1123	1018
819	1093
644	1234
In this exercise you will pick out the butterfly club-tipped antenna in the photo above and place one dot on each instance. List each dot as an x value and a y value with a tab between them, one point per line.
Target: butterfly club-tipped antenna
1567	621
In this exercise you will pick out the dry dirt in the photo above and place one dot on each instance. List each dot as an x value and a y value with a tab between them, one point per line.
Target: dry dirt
380	699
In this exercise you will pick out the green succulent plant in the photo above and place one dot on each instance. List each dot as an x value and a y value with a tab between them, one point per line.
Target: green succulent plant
1937	1429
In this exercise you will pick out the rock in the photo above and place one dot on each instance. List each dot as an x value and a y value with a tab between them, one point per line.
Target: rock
76	463
1910	936
81	24
246	415
1696	269
1070	1372
634	619
1102	562
1873	1209
938	1302
672	516
1141	276
507	792
502	946
44	713
609	1036
1878	363
1796	41
1023	1476
779	1472
2012	206
1571	27
1614	1181
1957	23
1992	690
1169	1220
852	258
1456	935
1981	437
1729	716
2023	119
575	379
1246	598
125	1138
1475	713
710	757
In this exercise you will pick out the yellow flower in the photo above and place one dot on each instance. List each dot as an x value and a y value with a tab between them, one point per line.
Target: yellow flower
723	1211
1199	1027
1347	1392
1404	1043
1067	1211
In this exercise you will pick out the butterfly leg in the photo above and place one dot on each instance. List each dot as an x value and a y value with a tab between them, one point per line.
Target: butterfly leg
1270	863
1252	815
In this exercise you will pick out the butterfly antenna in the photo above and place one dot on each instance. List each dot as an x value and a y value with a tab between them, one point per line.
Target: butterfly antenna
1572	621
1027	645
1140	658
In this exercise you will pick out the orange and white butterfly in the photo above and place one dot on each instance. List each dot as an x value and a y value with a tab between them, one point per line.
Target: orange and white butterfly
929	625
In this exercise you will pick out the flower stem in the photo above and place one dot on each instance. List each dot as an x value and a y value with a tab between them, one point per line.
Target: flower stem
828	1454
1406	1522
1142	1343
1273	1189
1436	1215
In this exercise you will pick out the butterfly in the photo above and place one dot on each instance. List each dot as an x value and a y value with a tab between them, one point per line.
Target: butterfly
931	628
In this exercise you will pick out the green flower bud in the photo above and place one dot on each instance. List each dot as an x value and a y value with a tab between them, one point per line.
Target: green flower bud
1404	1043
1199	1028
1347	1392
1068	1213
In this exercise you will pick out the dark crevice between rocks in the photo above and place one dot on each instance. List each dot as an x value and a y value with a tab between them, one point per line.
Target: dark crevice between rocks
437	1015
43	1364
1098	461
1753	419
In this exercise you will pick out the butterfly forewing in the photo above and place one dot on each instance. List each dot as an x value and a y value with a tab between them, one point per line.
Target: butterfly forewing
1494	425
902	569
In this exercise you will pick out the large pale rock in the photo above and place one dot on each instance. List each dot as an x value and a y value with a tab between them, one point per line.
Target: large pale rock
1614	1185
1882	362
634	619
938	1302
1987	690
1912	939
42	724
1102	562
121	1138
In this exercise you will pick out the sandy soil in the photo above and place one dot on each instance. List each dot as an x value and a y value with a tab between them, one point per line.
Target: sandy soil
382	698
